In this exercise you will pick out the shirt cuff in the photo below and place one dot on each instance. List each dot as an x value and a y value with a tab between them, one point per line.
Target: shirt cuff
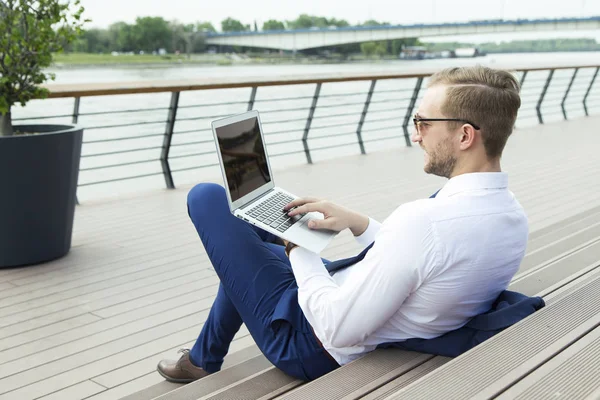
368	236
306	265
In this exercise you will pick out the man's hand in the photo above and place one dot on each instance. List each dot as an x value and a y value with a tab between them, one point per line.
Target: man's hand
337	218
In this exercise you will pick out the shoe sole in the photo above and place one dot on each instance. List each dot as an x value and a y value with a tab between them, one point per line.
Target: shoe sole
174	380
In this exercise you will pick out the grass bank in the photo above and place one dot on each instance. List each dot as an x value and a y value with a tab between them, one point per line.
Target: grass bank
85	59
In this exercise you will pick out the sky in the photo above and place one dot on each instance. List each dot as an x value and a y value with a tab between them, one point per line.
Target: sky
104	12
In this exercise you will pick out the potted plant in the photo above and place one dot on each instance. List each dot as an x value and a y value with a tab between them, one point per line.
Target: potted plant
39	164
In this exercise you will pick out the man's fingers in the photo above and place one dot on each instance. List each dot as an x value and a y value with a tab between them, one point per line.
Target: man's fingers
300	202
321	223
303	209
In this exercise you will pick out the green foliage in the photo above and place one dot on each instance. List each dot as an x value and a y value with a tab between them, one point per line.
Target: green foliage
233	25
374	48
305	21
30	32
147	34
372	22
152	33
205	27
273	25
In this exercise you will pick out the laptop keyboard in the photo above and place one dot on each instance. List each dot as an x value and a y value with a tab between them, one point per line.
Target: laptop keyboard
271	212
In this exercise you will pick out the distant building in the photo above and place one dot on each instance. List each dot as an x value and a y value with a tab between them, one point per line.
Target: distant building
414	53
468	52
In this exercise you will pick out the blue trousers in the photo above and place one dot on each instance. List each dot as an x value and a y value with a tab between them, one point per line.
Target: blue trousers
254	274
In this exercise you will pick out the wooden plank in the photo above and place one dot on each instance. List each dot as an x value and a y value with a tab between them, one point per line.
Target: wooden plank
143	388
59	301
42	380
152	385
562	268
571	374
403	380
11	342
565	244
78	391
361	376
242	348
116	88
551	232
118	324
116	336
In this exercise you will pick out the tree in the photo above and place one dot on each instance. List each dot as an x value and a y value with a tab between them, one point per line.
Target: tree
122	37
374	48
205	27
152	33
31	31
273	25
233	25
93	41
305	21
372	22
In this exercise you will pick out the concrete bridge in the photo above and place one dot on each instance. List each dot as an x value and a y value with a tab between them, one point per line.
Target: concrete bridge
302	39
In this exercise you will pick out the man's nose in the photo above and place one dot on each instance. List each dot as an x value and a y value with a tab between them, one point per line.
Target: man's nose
416	137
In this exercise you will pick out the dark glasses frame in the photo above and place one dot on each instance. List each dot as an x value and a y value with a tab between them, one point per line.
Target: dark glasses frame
416	121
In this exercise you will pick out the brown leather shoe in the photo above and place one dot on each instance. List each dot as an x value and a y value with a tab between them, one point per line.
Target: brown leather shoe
181	371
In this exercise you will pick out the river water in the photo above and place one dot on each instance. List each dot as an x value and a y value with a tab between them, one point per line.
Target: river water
193	145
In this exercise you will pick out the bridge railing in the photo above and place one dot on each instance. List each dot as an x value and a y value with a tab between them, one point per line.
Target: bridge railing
139	134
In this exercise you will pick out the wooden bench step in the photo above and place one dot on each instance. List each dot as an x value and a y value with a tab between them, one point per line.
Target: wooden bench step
572	374
238	365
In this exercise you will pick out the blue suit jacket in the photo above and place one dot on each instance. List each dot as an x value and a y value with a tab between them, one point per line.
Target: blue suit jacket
508	309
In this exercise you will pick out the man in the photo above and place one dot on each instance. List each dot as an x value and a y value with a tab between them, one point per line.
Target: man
428	269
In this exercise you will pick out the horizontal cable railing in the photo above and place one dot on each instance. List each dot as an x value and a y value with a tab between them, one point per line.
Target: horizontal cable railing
300	115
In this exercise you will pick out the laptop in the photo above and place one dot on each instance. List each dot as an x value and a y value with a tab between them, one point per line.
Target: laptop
251	191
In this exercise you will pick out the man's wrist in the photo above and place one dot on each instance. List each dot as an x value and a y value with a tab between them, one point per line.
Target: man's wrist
360	225
289	247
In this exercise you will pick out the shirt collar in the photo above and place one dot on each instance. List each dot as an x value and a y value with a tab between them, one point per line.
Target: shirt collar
474	181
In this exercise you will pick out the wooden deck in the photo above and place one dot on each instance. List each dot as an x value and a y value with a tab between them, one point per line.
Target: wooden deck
137	285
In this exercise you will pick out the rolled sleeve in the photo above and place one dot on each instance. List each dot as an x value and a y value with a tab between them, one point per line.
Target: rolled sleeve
368	236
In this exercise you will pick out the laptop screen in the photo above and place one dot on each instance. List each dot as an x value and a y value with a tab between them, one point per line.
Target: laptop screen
244	158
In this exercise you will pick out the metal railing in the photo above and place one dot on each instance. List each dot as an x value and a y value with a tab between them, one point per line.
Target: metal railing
360	109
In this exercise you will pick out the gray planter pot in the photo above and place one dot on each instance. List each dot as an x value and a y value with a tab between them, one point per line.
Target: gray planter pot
38	186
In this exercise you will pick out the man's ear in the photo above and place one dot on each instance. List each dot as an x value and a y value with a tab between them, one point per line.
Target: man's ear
468	136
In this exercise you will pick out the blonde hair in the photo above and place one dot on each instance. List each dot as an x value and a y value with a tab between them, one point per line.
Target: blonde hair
485	96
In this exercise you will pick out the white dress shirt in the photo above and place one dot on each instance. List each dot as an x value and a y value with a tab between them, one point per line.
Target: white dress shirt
436	263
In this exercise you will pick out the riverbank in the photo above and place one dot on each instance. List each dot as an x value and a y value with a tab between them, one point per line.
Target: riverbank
78	60
125	61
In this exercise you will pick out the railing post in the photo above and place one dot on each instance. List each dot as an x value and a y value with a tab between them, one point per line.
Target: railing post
166	147
76	109
410	109
311	113
252	98
564	100
363	116
587	93
539	104
523	79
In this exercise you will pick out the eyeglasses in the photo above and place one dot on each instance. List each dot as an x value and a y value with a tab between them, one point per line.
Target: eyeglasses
417	121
